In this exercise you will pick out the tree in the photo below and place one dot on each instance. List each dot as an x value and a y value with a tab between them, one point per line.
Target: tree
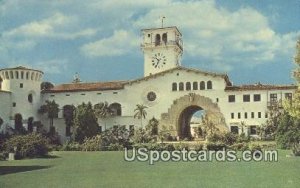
1	122
68	113
269	128
46	85
209	124
140	112
85	122
19	124
293	106
152	127
103	111
288	133
52	109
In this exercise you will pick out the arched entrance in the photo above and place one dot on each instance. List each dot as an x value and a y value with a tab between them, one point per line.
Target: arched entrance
177	119
185	120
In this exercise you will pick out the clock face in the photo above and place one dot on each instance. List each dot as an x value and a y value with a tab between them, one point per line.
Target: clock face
158	60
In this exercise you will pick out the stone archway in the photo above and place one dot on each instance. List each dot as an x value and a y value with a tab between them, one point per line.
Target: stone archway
176	120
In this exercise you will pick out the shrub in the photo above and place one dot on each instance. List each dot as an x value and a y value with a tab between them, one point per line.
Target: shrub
215	146
197	147
181	146
215	137
31	145
92	144
71	146
115	147
243	138
229	138
240	146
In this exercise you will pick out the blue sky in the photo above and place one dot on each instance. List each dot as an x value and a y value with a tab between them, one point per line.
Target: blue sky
251	40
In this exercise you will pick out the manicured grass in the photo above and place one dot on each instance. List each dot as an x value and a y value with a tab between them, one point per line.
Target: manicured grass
108	169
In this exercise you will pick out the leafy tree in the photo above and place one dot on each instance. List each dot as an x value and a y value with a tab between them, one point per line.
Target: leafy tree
19	129
288	133
68	113
52	109
1	122
209	124
152	127
46	85
85	122
140	112
269	128
103	111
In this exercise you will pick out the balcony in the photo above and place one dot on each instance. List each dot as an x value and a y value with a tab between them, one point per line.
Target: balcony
162	44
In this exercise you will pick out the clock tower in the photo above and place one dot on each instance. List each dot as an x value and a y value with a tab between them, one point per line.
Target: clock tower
162	48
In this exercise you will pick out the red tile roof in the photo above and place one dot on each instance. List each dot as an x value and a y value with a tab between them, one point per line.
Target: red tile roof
98	86
260	87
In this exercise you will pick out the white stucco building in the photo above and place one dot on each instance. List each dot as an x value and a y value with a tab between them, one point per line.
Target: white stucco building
171	92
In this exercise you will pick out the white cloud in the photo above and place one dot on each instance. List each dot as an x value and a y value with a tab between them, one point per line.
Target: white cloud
120	43
236	37
55	26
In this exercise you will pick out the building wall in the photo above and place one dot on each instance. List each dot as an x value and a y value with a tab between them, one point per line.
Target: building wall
5	106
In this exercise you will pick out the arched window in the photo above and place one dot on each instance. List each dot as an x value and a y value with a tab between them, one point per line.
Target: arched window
116	109
202	85
181	86
27	75
188	86
30	98
17	74
6	75
195	85
174	86
32	75
157	39
36	76
165	38
1	82
11	75
209	85
22	75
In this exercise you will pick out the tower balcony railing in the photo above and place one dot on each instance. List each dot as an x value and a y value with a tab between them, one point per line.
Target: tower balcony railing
162	43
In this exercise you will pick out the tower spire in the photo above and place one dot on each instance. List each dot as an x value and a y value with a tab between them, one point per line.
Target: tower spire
162	21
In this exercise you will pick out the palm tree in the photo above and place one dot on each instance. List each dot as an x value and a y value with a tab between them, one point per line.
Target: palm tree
103	111
140	112
51	108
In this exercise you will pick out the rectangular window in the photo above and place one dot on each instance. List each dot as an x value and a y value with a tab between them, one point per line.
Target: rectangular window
115	93
99	93
252	114
217	99
21	85
67	95
52	95
288	96
232	115
252	130
266	114
231	98
259	115
239	115
273	97
246	98
256	97
100	129
14	104
82	93
246	115
234	129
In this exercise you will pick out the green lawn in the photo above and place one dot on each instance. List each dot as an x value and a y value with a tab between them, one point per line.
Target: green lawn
108	169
